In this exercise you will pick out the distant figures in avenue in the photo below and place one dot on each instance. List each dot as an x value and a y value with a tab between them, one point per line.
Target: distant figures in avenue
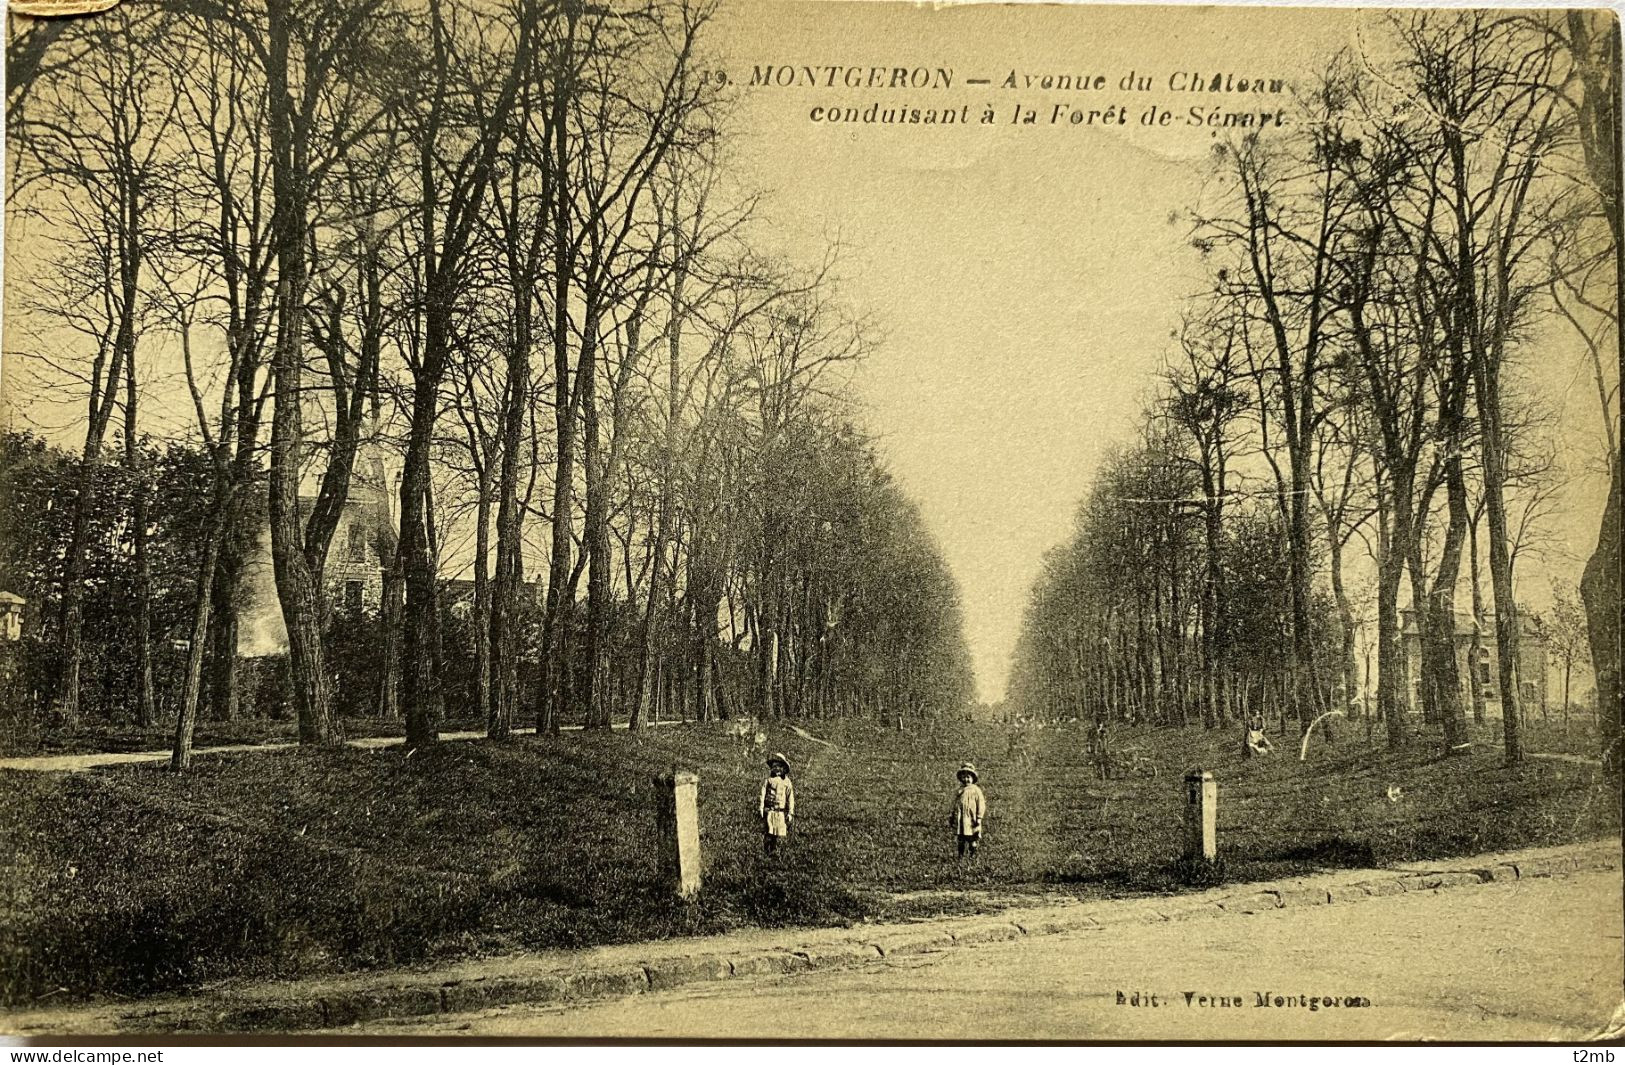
777	805
969	810
1096	743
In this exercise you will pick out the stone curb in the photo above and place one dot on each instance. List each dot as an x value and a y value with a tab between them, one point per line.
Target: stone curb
423	994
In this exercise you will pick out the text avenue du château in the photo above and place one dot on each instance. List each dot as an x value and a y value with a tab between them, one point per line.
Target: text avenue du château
832	76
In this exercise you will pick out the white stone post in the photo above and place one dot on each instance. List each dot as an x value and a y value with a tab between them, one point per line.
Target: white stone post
678	817
1201	816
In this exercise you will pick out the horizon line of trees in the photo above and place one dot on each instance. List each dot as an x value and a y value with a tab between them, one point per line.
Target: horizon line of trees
1353	373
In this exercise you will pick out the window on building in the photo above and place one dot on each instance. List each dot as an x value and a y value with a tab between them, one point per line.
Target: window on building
358	542
353	591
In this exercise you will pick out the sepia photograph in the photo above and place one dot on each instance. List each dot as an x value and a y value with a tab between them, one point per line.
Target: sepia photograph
809	520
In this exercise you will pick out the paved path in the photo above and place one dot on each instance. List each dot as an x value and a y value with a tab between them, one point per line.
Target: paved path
78	763
1536	959
1573	759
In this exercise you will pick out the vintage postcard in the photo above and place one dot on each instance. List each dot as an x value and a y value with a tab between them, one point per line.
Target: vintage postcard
775	519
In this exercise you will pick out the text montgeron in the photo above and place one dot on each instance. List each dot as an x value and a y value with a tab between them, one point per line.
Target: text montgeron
833	76
1256	116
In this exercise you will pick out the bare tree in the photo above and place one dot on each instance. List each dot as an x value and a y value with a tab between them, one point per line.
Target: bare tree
1593	46
620	119
459	127
315	61
1494	124
95	140
1209	393
1566	635
1284	232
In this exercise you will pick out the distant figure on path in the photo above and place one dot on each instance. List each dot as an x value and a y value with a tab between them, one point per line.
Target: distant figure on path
1254	741
777	806
970	807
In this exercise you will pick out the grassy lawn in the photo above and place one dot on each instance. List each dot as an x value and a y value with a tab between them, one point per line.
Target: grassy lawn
131	880
1551	733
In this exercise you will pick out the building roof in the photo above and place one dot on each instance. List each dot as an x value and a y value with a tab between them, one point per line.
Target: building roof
1467	625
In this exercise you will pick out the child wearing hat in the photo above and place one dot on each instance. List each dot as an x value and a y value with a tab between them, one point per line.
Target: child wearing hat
970	807
777	806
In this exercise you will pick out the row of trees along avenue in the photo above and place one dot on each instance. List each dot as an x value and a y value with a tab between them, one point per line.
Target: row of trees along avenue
270	240
1353	379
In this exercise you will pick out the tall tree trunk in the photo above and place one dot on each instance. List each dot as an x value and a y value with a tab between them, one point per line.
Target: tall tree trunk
225	692
653	621
504	626
1486	379
1600	589
389	680
1300	552
1475	681
524	258
1392	682
556	637
146	712
298	588
186	719
484	697
1345	625
1442	672
450	199
420	673
1487	388
593	698
220	529
1597	62
1427	637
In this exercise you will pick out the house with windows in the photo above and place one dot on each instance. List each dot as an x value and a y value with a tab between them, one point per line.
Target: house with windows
358	557
363	545
1478	660
357	575
11	616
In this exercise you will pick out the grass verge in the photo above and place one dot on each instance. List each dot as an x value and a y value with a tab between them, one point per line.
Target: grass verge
132	880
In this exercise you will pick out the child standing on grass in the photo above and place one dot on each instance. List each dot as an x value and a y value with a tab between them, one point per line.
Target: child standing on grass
777	806
970	807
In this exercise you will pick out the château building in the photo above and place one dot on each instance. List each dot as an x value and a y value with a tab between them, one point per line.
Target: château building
1478	660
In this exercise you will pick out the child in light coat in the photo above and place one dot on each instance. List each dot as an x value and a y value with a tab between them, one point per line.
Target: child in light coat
969	809
777	805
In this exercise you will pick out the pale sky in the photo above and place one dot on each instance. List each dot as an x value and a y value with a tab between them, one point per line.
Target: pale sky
1025	278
